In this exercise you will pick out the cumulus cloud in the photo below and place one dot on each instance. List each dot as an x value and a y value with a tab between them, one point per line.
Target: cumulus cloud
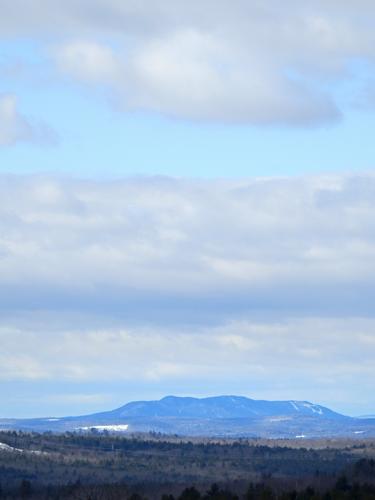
200	76
14	127
243	62
87	61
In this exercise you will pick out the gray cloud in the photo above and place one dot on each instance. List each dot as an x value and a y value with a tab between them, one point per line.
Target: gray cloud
224	61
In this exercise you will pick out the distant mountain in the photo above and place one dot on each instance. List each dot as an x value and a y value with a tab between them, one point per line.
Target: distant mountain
226	416
221	407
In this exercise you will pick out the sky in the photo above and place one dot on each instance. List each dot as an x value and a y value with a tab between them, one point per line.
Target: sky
187	193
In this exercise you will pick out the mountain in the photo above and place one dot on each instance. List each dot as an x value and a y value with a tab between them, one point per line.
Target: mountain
221	407
226	416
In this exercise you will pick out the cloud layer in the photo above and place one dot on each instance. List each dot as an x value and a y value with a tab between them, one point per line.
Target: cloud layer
241	62
252	242
185	280
330	360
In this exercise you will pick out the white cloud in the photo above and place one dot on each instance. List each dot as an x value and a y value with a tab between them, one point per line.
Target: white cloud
87	61
198	76
252	62
14	127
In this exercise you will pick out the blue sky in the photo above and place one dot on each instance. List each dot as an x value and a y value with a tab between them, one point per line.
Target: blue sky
187	199
143	142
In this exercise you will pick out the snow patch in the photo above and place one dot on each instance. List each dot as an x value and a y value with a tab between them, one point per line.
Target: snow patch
294	405
6	447
313	408
279	419
101	428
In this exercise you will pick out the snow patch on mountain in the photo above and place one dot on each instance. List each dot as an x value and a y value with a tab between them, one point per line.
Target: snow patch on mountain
314	408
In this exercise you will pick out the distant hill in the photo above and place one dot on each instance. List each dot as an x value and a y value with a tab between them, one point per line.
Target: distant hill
225	416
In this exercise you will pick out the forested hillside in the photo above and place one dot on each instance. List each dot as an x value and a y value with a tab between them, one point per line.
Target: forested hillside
98	466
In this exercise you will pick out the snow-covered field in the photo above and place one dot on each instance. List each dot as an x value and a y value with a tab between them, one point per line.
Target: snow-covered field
6	447
101	428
